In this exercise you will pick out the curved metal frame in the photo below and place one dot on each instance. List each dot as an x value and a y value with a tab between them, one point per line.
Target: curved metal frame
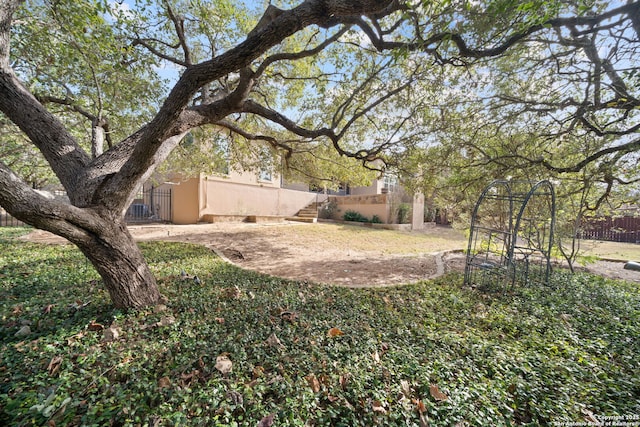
505	257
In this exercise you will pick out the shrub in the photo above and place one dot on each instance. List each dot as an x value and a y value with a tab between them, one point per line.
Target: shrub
354	216
329	209
403	213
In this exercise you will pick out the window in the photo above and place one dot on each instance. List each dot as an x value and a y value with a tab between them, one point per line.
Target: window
390	182
265	175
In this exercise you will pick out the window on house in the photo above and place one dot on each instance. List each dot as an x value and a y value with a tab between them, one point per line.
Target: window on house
390	182
265	175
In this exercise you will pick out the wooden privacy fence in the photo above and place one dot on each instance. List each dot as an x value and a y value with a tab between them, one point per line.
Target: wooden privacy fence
625	229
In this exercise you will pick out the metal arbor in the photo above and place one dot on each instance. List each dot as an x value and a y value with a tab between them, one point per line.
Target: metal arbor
511	234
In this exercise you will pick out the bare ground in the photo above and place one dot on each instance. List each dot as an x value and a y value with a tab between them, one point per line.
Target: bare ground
331	253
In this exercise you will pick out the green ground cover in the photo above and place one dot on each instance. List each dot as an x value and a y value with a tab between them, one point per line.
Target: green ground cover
246	349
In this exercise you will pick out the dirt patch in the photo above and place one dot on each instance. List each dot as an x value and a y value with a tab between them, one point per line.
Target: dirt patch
327	253
331	253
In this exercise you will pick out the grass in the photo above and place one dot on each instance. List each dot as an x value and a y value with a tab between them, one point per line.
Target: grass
434	353
610	250
358	238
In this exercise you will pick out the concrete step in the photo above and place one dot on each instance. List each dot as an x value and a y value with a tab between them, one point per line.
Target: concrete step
302	219
264	218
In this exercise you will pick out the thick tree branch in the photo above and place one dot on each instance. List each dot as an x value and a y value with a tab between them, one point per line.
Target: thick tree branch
27	205
253	107
64	155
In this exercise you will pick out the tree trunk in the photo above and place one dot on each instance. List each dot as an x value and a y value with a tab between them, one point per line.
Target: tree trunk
120	263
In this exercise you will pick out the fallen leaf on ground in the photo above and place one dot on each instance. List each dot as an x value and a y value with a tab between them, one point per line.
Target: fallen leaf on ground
94	326
405	388
223	364
289	316
54	365
235	397
164	382
23	332
187	378
159	308
344	380
274	341
166	321
313	382
589	416
335	332
257	372
424	420
266	421
377	407
111	334
437	394
233	293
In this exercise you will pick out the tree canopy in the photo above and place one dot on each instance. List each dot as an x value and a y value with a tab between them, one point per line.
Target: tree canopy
105	91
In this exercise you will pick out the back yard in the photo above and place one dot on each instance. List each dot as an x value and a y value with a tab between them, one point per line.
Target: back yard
346	254
236	347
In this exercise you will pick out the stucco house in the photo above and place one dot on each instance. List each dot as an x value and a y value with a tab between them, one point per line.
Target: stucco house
265	196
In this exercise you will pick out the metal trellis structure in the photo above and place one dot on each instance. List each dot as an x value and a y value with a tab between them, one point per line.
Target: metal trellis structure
511	234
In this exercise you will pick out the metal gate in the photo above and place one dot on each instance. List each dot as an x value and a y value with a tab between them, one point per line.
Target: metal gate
7	220
150	205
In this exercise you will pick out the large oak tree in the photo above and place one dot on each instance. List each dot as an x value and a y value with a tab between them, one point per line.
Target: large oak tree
353	76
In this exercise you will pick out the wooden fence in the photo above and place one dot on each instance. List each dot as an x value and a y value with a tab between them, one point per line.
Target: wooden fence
614	229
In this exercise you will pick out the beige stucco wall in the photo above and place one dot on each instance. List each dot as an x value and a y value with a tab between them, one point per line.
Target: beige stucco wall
365	205
381	205
230	198
374	188
235	194
249	178
185	201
